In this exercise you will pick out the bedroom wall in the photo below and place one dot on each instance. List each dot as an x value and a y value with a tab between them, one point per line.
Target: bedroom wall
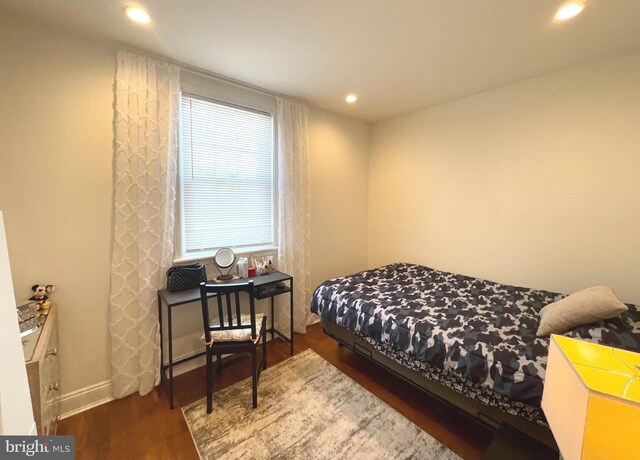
338	160
534	184
56	189
56	183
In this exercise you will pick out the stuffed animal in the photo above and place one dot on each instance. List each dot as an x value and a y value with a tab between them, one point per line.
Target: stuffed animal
40	292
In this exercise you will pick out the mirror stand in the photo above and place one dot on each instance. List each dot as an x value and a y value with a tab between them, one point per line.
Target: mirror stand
224	259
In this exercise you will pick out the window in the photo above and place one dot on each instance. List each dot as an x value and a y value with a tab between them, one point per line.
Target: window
226	177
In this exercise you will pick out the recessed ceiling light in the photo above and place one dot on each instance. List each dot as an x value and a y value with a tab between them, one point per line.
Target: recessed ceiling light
568	11
138	15
351	98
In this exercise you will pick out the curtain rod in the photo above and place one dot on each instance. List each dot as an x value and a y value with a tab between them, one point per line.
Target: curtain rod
206	73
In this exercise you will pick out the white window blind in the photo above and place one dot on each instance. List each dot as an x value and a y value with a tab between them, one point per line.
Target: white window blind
226	155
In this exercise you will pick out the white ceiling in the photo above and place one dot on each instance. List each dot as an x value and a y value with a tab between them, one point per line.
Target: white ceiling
396	55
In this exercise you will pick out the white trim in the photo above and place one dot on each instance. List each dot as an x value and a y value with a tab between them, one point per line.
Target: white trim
209	87
85	398
34	430
207	257
214	88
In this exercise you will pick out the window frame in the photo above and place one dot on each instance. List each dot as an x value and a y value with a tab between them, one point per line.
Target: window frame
244	103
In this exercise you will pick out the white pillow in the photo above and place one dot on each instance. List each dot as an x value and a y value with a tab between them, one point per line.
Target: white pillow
582	307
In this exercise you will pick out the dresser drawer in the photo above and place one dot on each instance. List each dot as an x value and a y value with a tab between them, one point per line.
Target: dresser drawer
43	371
50	384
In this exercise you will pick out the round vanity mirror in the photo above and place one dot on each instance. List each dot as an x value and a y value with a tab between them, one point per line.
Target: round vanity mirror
224	259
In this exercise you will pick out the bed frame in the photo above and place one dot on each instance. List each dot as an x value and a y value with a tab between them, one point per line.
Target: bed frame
488	416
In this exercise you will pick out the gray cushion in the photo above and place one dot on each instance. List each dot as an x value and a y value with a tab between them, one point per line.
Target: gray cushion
582	307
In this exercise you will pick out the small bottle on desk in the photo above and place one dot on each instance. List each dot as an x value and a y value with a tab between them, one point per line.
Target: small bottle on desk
242	267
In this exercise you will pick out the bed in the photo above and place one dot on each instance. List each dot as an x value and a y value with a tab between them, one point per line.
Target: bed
468	341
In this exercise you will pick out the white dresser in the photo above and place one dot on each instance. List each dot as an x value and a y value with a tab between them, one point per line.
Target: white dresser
43	372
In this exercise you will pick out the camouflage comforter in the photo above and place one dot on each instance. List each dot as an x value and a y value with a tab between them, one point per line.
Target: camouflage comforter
471	329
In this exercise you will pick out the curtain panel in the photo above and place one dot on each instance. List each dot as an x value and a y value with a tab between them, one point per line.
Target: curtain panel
145	149
294	235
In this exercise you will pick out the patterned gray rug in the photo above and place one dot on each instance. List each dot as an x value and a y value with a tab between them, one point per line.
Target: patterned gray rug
307	409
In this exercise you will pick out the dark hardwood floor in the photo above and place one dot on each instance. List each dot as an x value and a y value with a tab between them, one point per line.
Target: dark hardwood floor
143	427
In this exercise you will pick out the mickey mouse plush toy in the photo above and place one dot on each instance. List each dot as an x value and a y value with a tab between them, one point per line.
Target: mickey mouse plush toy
40	292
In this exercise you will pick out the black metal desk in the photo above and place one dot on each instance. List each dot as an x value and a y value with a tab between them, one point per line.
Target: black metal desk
175	299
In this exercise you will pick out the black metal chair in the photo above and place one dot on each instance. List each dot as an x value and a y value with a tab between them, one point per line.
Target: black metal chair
233	335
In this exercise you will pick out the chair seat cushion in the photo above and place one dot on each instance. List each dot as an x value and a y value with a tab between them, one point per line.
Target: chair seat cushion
237	335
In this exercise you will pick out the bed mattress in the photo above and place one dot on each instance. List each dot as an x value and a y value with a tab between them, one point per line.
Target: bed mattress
476	336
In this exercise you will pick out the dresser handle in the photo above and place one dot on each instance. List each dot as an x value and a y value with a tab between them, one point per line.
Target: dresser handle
53	387
53	352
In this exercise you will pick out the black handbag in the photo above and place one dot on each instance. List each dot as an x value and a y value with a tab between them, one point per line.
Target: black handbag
183	277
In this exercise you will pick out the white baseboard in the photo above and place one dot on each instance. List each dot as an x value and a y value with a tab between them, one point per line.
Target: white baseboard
85	398
77	401
94	395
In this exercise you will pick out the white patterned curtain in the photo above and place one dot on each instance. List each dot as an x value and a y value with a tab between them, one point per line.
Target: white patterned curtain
293	210
146	125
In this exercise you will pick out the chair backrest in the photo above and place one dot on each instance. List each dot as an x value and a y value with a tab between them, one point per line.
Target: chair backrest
226	320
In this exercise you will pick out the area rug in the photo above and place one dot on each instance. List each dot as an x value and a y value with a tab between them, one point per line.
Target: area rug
307	409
